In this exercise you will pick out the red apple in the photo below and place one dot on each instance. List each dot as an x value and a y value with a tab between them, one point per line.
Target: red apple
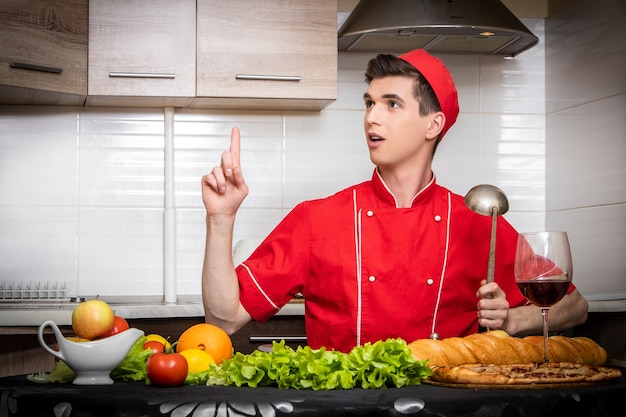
93	319
119	325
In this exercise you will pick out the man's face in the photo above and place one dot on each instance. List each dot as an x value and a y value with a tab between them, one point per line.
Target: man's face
396	133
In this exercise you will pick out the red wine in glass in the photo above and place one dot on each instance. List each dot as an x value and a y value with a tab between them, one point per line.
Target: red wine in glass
543	271
543	292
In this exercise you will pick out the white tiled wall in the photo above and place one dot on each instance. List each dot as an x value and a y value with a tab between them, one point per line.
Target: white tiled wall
83	195
586	141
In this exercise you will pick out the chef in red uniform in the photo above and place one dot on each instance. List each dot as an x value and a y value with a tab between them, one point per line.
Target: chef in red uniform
395	256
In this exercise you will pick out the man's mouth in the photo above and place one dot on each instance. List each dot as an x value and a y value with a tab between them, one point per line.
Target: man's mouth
375	138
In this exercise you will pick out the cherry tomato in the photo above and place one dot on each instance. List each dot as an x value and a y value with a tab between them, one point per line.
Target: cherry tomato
119	325
158	338
166	369
156	347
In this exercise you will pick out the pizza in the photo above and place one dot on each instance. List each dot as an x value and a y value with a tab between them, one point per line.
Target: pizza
523	374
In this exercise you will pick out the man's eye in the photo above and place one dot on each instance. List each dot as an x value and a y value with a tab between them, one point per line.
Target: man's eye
394	104
369	104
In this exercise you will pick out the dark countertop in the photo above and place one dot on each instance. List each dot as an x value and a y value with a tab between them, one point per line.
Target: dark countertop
19	397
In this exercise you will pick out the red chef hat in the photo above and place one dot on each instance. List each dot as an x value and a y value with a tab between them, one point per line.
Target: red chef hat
440	80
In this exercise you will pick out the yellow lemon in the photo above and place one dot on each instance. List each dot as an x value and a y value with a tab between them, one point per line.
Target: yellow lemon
197	360
159	339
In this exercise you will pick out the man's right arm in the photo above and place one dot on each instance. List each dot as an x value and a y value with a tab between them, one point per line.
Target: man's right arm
223	191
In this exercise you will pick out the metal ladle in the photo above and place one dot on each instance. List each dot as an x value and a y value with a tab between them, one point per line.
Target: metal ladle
488	200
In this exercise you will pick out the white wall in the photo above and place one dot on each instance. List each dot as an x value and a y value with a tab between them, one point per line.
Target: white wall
82	188
586	141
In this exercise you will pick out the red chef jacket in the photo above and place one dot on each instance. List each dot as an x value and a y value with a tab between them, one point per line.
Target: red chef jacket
369	271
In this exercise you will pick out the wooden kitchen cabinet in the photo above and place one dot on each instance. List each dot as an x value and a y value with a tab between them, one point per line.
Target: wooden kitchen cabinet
253	334
142	53
43	52
266	54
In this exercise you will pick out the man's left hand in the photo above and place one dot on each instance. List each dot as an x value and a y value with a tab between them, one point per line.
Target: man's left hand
493	307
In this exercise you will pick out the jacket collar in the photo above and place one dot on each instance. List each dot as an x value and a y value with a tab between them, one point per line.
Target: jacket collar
387	198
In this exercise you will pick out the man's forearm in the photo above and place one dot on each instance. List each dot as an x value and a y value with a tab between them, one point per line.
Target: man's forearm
567	313
220	287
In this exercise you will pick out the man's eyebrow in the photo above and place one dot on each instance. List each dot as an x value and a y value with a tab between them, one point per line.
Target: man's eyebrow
389	96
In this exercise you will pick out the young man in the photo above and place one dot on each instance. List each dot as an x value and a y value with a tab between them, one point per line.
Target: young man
396	256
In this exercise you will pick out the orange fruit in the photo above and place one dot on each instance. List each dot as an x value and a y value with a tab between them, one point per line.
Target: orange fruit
205	336
77	339
197	360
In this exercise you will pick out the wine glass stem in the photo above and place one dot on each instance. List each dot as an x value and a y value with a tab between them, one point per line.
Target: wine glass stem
544	314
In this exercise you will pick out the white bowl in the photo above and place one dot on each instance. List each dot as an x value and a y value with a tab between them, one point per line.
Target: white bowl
92	361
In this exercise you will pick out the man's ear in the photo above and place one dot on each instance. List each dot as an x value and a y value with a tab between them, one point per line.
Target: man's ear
436	125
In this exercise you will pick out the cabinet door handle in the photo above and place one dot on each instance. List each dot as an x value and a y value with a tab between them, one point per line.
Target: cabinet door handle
140	75
32	67
295	78
267	339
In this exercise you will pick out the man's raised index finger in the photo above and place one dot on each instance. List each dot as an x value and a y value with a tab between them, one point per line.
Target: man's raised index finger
234	147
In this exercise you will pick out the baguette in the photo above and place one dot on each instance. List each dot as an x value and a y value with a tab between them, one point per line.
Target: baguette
498	348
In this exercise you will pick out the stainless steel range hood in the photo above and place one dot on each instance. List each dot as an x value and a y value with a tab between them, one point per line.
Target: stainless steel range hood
439	26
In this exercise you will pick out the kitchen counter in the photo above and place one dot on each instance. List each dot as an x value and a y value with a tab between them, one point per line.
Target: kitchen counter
33	314
607	306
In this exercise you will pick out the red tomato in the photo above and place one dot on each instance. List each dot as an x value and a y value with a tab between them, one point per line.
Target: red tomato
166	369
119	325
156	347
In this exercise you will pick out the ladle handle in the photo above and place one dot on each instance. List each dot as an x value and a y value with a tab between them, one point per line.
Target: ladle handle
492	245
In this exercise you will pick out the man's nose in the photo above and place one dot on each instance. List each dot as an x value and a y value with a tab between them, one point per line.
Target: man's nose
373	115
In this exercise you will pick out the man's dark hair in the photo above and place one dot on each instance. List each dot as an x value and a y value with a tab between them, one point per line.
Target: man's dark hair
385	65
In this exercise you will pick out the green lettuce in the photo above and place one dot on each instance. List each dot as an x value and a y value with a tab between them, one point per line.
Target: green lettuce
133	366
60	373
381	364
388	363
199	378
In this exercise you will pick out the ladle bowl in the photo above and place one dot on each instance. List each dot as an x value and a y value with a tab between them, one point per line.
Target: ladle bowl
488	200
484	197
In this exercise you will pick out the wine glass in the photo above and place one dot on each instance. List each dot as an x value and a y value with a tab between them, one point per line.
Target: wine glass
543	271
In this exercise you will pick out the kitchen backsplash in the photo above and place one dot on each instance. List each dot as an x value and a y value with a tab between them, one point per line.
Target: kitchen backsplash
586	141
83	188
